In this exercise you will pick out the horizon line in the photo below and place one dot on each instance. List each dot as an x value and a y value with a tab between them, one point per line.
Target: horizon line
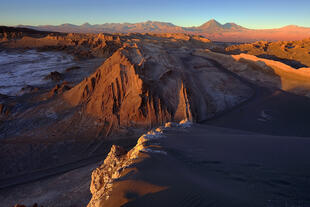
92	24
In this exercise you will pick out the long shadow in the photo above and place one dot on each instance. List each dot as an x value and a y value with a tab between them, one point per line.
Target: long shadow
270	111
293	63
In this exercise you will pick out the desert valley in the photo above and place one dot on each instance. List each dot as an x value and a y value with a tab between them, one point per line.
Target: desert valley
154	114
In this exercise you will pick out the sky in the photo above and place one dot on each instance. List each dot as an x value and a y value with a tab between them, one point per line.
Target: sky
256	14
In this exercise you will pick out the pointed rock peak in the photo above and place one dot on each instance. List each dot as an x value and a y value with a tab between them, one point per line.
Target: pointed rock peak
211	23
213	20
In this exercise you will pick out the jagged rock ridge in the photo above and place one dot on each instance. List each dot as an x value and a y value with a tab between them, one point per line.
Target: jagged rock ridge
119	163
145	85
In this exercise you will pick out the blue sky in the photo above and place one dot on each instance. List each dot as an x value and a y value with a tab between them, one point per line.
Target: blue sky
251	14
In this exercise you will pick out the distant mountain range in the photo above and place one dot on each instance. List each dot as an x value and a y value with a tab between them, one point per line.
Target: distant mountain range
212	29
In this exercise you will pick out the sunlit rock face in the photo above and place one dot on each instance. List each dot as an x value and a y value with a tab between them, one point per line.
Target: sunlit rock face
145	81
148	82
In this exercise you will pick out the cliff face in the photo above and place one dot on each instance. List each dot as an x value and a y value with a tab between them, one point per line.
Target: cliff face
117	95
145	85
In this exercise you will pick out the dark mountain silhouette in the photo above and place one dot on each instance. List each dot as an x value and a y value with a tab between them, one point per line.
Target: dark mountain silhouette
211	29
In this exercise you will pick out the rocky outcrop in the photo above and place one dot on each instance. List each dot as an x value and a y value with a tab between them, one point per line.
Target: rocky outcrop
13	33
118	163
117	94
80	45
60	89
143	85
54	76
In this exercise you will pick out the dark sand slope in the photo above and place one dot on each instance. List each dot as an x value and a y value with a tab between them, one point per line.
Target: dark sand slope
273	112
280	104
210	166
67	189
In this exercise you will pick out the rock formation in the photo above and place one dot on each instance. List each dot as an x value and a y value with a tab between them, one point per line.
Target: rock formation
293	53
60	89
80	45
264	72
54	76
145	81
119	163
145	84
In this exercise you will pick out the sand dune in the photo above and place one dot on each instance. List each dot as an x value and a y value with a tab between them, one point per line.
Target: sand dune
209	166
